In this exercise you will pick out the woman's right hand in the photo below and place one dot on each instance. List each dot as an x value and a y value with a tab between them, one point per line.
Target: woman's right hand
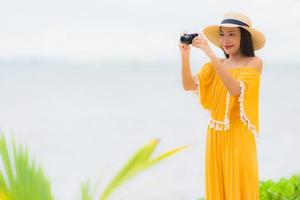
184	48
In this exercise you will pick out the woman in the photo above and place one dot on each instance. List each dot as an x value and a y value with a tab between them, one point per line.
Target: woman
229	89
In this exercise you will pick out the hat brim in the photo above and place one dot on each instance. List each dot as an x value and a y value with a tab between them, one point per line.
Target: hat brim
212	34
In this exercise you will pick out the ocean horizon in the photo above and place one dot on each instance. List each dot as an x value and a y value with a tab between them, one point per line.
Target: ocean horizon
82	122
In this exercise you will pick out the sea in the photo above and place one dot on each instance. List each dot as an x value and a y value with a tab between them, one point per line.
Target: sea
83	122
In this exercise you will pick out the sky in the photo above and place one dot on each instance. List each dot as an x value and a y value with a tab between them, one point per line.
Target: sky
98	31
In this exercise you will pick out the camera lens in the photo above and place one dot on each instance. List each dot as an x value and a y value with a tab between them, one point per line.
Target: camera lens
188	38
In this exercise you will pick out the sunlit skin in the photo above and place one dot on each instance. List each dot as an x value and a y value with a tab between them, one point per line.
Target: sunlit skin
229	38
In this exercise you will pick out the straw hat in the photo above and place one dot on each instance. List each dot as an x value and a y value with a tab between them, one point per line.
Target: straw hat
234	19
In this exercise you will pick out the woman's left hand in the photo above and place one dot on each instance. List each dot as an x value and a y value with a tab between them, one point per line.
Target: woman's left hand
202	43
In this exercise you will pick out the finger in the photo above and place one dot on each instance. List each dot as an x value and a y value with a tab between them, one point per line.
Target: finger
194	40
199	41
200	35
197	38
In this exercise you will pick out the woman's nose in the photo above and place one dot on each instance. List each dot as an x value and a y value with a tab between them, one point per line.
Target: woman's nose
226	39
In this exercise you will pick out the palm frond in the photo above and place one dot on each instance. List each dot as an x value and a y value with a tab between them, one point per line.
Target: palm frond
21	179
136	164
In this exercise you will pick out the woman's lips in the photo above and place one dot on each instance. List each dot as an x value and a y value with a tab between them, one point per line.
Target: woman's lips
228	46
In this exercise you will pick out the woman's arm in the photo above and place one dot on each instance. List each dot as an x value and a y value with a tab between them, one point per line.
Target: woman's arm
187	78
230	83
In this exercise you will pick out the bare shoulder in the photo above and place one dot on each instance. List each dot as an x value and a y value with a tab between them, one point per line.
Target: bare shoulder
256	62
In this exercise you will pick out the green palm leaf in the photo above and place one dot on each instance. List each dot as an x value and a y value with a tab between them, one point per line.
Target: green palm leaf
21	179
137	163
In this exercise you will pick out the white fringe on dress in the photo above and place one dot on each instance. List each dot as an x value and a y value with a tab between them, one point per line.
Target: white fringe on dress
224	125
243	116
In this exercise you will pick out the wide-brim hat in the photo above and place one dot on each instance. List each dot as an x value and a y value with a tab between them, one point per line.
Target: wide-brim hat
234	19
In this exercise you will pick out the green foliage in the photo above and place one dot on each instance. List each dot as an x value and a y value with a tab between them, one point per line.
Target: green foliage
138	163
20	179
88	190
284	189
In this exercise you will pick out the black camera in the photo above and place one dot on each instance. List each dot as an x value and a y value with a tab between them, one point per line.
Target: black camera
188	38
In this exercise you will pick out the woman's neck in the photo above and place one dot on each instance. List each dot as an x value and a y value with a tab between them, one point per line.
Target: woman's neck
233	58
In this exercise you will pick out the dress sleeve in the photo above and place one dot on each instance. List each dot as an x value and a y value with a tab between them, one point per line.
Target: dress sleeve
248	99
204	78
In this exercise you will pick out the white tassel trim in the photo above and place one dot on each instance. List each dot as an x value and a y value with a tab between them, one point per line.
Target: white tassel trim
243	116
224	125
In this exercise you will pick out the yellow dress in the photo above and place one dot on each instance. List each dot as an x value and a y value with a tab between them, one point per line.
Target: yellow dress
231	167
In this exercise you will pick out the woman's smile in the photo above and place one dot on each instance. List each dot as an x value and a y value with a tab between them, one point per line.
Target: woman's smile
228	46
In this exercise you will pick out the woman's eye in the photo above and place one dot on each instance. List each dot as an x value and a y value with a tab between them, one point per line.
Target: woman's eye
221	34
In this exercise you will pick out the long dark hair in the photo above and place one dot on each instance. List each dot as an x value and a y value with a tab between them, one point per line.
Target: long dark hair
246	44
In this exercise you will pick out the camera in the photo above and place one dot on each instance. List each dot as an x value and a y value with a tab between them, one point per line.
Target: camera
188	38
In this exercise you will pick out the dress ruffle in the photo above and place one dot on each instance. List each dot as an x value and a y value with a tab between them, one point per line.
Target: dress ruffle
209	94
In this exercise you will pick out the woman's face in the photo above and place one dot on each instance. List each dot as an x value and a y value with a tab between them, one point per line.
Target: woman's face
229	39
